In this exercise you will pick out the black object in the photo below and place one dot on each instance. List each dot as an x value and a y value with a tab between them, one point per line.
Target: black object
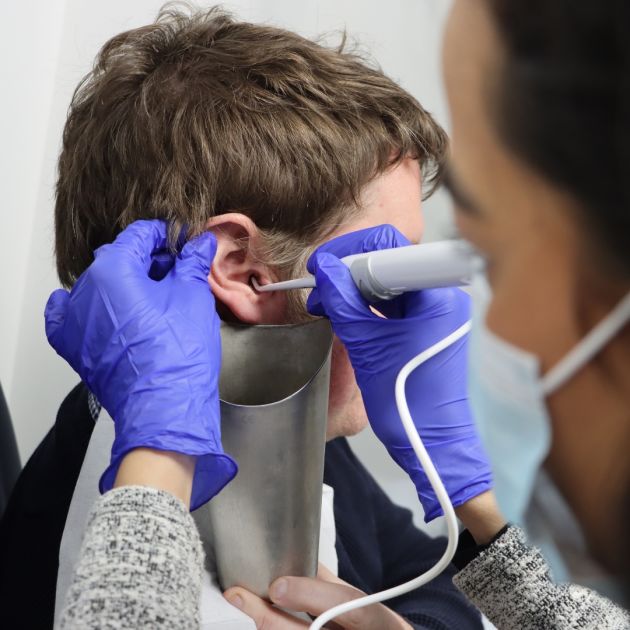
33	522
9	458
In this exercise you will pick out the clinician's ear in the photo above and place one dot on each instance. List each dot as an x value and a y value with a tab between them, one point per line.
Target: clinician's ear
234	265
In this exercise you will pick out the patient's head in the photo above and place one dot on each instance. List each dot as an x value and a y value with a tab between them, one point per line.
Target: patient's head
274	142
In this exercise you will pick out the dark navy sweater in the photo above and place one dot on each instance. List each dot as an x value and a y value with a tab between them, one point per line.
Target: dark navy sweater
379	547
377	544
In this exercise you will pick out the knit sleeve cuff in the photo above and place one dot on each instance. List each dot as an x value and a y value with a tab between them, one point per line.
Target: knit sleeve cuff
468	549
141	560
494	561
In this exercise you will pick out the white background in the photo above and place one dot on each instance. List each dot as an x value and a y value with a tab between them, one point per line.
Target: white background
46	47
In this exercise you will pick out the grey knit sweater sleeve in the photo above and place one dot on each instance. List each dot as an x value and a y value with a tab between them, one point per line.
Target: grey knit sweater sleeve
140	565
510	583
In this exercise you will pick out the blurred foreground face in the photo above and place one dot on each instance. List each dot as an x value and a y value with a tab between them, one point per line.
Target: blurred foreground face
546	293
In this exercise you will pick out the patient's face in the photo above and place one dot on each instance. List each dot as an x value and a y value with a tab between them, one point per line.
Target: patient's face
395	198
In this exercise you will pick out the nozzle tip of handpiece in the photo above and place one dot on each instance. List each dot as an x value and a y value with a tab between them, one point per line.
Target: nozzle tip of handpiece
257	287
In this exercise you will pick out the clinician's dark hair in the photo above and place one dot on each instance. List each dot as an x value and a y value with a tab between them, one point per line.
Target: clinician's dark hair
562	104
198	114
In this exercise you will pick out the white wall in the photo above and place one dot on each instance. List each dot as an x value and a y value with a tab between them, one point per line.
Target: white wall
30	40
47	45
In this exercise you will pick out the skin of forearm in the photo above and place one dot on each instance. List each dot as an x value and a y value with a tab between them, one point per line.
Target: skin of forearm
481	517
164	470
173	473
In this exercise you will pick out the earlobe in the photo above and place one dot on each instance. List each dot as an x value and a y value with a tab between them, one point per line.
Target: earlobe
234	265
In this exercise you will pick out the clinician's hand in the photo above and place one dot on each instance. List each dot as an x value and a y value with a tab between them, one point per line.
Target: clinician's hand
313	596
380	346
149	350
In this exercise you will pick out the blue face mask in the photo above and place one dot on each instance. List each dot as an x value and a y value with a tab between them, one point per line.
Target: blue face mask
507	394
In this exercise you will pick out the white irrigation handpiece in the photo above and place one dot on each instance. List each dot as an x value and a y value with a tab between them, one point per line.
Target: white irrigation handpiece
386	273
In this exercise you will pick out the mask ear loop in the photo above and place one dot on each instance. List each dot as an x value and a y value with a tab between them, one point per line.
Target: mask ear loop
434	480
586	349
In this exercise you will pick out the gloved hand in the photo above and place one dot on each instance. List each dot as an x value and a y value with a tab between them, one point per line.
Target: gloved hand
149	350
379	347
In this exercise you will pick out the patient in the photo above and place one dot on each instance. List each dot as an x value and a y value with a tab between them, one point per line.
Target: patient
276	144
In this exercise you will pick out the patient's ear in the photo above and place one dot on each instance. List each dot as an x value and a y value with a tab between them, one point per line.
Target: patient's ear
235	263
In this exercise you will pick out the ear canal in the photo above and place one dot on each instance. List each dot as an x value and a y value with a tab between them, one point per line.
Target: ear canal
256	285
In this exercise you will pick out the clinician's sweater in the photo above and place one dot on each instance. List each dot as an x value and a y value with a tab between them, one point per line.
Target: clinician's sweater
377	544
131	528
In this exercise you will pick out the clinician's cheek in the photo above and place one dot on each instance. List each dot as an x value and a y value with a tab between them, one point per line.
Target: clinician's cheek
531	307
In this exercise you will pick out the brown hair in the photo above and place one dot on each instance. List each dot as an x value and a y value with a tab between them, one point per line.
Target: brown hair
198	114
562	104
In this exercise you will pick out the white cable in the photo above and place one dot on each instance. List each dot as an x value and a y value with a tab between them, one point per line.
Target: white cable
434	480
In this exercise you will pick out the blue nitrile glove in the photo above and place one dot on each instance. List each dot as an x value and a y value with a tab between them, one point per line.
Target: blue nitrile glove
379	348
149	350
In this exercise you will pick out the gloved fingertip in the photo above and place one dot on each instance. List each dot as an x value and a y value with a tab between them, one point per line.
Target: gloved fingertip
321	257
386	236
336	290
197	255
142	238
324	260
162	262
314	304
311	263
331	270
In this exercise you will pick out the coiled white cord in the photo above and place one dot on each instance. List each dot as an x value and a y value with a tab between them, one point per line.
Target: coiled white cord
434	480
